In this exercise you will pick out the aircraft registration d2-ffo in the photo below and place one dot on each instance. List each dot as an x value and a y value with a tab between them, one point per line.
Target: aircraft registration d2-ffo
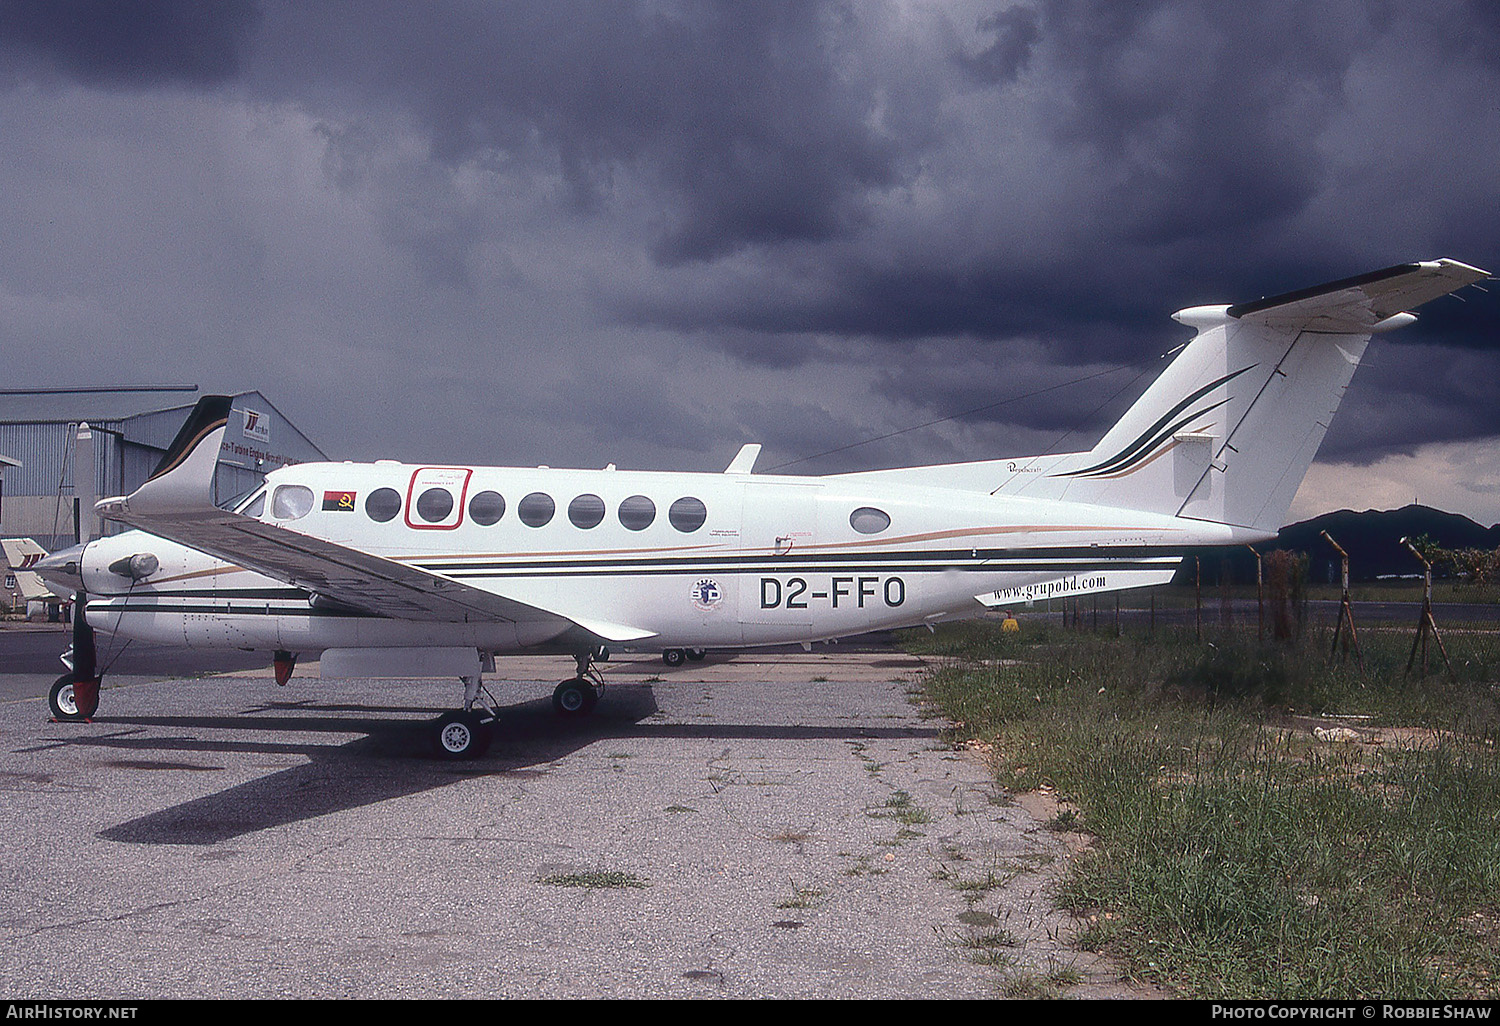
399	570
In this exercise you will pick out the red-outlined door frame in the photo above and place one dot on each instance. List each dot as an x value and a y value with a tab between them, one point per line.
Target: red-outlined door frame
455	479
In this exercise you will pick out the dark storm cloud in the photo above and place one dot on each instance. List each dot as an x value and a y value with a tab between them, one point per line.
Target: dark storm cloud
753	120
942	205
127	43
1197	147
1178	100
1406	396
1014	33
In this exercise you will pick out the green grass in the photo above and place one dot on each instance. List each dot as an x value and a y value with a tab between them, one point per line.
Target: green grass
902	808
802	897
1234	855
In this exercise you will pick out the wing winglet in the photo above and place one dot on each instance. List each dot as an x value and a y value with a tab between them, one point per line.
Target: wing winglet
183	480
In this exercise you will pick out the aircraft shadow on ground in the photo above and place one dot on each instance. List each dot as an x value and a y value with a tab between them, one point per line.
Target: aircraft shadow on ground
393	760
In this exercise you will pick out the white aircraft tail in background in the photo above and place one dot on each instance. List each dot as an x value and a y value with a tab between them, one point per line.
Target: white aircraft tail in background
21	554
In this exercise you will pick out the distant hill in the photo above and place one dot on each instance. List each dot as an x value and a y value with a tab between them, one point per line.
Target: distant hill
1372	539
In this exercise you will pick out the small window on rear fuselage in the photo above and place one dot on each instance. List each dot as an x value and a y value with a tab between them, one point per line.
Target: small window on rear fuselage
869	520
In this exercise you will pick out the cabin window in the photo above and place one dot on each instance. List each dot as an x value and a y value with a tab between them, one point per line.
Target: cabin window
291	502
536	509
383	504
586	511
869	520
486	508
687	514
434	505
637	513
256	506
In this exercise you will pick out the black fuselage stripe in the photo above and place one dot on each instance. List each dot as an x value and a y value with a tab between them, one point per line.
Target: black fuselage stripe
103	609
750	562
1065	560
1150	436
207	601
1145	454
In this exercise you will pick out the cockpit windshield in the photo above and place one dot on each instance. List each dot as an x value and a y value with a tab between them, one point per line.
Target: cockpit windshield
250	503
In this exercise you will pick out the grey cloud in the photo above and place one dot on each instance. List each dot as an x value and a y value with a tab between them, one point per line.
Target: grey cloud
806	194
1014	33
127	43
757	123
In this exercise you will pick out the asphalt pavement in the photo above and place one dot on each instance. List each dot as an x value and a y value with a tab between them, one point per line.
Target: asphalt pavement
756	825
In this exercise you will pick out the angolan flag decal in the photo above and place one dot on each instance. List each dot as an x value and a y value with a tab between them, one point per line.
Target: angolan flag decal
339	501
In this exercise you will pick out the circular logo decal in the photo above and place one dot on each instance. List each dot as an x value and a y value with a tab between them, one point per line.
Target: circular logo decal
707	594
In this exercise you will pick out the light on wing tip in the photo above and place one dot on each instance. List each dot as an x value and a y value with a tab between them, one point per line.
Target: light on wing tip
1393	322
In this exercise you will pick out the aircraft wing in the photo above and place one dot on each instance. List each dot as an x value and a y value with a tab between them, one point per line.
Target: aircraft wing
1358	305
175	503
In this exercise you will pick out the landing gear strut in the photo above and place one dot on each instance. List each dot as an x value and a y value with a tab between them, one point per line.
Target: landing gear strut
576	697
75	695
466	733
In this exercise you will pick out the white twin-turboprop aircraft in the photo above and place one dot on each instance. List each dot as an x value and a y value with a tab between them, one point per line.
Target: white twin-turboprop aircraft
397	570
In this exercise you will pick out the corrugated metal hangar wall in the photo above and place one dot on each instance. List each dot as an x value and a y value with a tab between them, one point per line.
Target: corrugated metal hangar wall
130	434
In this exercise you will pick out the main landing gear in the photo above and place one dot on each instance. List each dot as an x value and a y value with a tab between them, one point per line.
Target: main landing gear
466	733
576	697
675	656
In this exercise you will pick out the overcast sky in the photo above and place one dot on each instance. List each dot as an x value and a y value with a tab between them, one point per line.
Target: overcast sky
646	233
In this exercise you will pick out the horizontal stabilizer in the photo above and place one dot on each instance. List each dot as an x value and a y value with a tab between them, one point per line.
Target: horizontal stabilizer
20	555
1360	304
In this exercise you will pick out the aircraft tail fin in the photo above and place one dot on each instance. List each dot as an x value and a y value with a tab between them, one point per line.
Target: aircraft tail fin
21	554
1228	431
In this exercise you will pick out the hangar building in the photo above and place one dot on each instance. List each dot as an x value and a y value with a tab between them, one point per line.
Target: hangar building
130	431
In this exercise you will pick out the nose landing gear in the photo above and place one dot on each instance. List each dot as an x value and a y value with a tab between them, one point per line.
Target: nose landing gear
73	701
75	695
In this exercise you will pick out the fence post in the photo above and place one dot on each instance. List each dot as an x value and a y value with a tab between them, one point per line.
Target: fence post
1425	622
1198	598
1346	610
1260	597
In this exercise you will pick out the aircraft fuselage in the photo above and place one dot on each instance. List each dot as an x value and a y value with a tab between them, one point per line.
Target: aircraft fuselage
684	560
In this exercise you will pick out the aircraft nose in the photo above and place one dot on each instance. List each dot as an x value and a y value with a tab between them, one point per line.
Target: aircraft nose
63	568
